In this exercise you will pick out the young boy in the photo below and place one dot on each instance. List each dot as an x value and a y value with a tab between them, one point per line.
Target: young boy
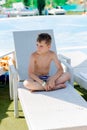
39	78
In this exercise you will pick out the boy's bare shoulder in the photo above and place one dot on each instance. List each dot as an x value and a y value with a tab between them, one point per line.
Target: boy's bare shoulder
52	52
34	53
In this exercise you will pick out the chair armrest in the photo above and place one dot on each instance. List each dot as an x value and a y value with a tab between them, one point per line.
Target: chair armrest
13	70
10	63
68	60
68	69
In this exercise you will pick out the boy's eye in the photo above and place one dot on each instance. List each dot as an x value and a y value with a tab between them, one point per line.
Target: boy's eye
39	45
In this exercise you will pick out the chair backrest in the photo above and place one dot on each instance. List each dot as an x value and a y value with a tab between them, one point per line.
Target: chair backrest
25	44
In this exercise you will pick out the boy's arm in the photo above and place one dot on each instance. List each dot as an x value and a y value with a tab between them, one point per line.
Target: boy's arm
59	67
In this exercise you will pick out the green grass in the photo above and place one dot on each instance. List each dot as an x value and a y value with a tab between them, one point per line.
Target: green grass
74	13
81	91
7	119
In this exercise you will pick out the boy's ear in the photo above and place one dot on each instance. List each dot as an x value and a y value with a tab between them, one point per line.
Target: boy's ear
49	46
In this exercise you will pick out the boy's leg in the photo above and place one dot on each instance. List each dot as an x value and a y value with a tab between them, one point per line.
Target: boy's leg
32	85
60	83
63	78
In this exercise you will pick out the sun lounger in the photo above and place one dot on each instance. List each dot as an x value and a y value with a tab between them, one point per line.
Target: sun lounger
79	64
62	109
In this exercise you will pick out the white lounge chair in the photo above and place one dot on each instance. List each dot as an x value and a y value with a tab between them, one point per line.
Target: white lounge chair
62	109
79	64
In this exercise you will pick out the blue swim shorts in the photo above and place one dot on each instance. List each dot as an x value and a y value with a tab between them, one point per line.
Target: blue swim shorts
44	77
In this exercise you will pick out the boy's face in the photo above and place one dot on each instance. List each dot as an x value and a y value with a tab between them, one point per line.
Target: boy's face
42	47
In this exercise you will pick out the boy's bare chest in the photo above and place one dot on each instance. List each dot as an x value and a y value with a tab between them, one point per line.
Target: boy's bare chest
42	62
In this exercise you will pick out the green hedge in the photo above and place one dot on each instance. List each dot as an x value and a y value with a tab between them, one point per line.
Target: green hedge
33	3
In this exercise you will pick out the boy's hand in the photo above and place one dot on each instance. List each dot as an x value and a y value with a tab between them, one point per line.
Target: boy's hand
51	84
47	87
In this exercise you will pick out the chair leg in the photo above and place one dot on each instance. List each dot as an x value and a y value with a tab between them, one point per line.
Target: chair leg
10	85
16	114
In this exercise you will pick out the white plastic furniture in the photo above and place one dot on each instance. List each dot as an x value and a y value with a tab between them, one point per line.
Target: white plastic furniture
79	64
62	109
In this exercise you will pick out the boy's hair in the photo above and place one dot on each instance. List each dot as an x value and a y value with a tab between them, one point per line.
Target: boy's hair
44	37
